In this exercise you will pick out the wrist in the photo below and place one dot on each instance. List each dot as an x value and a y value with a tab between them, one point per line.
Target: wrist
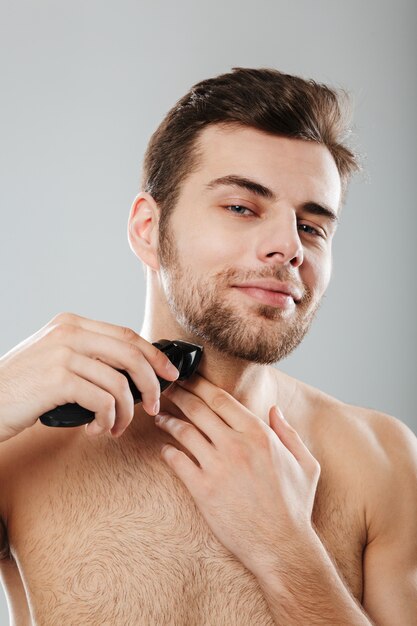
272	567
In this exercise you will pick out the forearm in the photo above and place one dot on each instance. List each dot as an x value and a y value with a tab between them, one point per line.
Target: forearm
302	586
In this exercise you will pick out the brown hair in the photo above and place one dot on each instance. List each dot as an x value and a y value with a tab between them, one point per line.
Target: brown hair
262	98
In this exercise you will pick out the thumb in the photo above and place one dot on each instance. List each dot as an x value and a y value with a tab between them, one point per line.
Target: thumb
277	420
288	435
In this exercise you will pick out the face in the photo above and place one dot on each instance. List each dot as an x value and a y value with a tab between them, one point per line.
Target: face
222	235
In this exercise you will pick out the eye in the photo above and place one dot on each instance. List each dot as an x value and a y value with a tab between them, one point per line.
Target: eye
237	209
312	231
239	206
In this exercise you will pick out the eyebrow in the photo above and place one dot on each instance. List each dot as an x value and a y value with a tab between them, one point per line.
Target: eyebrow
264	192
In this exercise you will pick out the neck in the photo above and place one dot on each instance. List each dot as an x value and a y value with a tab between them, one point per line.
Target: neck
256	387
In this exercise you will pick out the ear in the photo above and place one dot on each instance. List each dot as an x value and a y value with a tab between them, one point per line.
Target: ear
142	229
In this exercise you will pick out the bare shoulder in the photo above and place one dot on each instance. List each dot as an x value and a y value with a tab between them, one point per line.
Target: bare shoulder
380	452
21	459
26	455
370	430
378	449
392	475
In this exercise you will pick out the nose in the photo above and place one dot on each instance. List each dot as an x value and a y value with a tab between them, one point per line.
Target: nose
281	241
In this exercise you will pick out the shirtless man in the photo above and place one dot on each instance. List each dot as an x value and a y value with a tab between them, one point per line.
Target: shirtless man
245	519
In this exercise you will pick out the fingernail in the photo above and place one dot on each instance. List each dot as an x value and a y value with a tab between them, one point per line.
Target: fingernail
162	417
279	413
156	407
96	429
172	370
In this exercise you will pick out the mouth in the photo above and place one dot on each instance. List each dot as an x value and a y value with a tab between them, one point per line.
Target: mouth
271	297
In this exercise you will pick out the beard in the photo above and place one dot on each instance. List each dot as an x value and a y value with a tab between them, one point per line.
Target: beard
264	334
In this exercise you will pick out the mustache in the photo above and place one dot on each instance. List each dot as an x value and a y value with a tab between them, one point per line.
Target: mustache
279	274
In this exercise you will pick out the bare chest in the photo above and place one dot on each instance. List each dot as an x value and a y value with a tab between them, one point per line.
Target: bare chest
114	538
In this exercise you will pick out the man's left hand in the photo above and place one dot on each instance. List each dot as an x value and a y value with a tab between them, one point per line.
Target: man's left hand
255	484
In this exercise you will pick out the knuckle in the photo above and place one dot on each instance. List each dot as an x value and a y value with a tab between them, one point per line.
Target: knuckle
63	317
123	385
135	353
158	357
195	405
238	450
129	334
149	395
262	439
62	330
258	429
220	400
109	404
62	377
148	380
292	432
182	428
135	360
129	419
131	413
63	354
125	417
147	384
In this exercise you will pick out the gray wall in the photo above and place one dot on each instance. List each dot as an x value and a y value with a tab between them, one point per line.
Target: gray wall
83	86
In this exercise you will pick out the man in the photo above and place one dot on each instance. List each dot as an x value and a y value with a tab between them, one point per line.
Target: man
272	502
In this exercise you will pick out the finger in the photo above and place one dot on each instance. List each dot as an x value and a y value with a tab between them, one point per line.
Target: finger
289	436
198	413
94	399
114	352
231	411
184	468
111	381
156	357
188	436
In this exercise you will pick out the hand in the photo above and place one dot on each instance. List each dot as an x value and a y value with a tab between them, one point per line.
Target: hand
72	360
254	484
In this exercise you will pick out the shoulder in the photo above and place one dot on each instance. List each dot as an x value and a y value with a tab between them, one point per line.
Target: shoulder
377	449
392	475
27	461
27	455
370	430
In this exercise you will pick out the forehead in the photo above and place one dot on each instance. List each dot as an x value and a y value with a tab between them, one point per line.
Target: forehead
281	163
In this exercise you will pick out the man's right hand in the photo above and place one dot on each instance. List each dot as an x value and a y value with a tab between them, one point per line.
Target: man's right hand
71	359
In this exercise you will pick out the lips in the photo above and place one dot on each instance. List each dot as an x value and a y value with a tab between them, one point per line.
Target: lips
273	286
266	296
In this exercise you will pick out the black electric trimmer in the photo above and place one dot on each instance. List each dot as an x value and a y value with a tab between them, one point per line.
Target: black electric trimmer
184	355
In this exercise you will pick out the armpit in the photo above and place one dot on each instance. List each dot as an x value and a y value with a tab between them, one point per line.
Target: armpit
4	543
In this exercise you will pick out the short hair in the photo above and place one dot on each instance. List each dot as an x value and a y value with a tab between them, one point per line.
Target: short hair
262	98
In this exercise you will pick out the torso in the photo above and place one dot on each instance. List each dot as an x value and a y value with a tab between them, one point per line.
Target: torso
104	533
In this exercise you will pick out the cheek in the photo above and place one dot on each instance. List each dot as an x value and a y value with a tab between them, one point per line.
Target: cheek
207	247
317	272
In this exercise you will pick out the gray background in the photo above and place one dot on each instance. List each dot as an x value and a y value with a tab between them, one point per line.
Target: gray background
83	86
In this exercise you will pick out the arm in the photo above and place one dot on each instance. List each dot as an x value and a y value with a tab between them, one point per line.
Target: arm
14	591
390	558
305	586
12	455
